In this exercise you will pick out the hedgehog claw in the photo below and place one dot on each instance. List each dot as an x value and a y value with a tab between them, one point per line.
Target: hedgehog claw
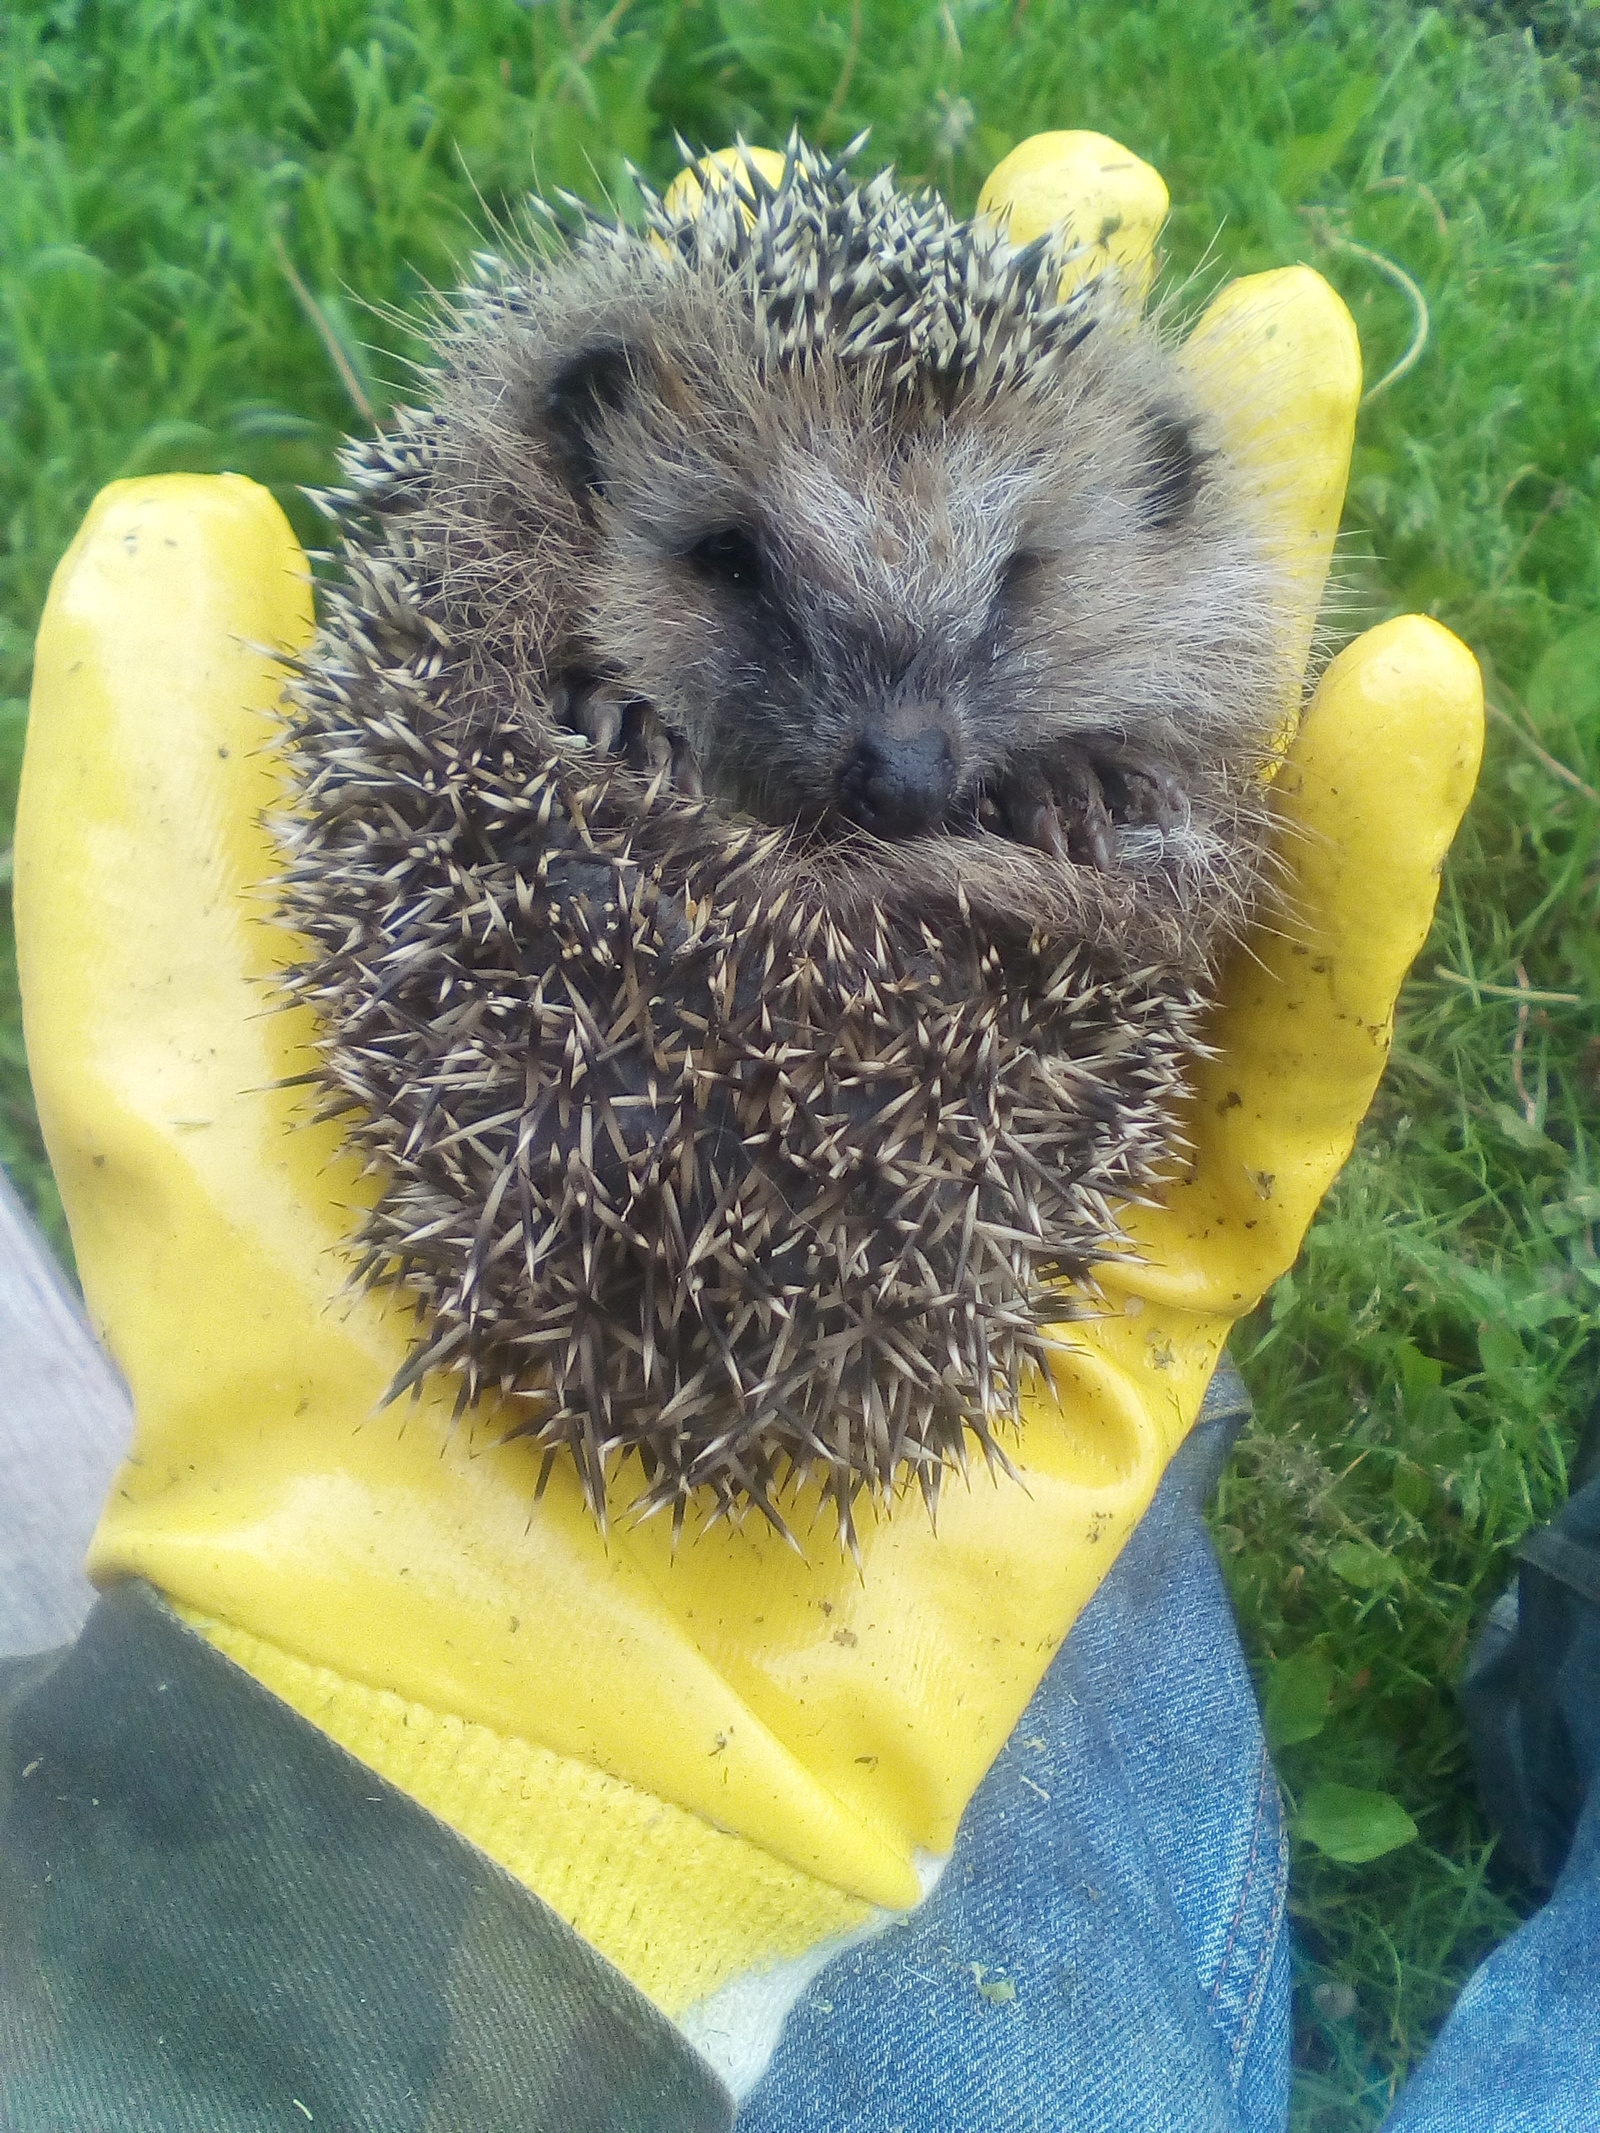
1023	809
686	770
1097	829
1090	818
1045	830
584	704
601	719
648	748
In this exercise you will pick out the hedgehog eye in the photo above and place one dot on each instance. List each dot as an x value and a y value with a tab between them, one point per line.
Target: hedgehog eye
1172	471
730	557
1018	571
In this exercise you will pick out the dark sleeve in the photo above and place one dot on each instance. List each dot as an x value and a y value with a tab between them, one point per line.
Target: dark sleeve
213	1918
1532	1689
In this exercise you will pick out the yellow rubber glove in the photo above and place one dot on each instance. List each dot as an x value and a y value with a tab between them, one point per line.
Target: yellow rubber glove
713	1758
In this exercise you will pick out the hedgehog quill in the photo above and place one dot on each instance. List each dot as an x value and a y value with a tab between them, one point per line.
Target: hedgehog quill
777	774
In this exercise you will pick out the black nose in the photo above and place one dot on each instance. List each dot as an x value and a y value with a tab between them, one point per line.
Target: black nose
898	785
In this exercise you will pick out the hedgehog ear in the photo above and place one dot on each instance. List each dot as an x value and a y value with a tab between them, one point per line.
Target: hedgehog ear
1174	469
587	388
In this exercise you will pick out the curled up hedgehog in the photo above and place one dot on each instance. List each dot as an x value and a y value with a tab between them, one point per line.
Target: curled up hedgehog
779	769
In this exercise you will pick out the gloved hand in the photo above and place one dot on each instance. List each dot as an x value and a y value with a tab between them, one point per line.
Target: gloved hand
712	1758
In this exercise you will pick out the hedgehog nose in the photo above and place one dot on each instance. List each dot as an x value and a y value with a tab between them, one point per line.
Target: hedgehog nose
899	784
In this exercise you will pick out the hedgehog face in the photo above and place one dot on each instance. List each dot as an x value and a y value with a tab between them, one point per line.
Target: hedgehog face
824	608
774	781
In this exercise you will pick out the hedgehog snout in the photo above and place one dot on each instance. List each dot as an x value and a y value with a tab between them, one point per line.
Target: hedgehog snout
898	780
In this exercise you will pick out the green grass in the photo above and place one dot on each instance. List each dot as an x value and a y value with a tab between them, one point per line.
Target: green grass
1420	1375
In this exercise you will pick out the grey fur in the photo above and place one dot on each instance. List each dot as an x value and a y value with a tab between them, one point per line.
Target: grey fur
714	1127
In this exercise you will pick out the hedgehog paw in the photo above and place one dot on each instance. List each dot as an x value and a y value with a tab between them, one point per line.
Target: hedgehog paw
586	704
1141	789
617	723
1090	793
1079	800
1023	808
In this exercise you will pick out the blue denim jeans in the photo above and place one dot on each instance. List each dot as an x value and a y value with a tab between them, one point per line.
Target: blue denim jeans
1107	1952
1521	2050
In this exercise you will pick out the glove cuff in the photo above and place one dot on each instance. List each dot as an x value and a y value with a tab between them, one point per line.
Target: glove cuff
678	1907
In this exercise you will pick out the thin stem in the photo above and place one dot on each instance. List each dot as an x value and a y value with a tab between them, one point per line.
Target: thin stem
325	333
1530	1110
600	34
1521	991
841	88
1555	768
1419	304
1323	230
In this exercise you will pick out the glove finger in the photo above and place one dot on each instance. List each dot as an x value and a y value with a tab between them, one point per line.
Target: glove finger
142	988
1276	362
688	189
1090	186
1371	795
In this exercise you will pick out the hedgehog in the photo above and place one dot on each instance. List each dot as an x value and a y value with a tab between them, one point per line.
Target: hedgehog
777	775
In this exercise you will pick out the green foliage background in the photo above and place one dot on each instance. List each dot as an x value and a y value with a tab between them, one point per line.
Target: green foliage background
1419	1376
